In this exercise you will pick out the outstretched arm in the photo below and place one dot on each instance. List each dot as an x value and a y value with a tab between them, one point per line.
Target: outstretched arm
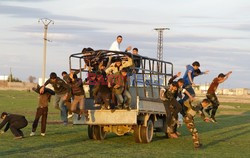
171	80
226	77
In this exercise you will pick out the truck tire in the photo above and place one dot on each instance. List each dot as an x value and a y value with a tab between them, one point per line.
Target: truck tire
137	133
98	132
147	132
90	132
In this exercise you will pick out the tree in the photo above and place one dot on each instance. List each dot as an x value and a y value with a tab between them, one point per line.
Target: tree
31	79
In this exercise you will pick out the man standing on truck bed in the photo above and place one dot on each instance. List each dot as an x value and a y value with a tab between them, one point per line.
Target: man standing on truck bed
62	91
115	46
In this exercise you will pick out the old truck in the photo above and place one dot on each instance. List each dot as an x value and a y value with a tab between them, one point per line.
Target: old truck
147	114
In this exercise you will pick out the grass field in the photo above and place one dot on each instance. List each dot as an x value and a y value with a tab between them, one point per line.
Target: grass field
230	137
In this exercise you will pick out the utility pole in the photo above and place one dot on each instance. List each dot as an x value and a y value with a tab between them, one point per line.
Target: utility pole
160	42
46	23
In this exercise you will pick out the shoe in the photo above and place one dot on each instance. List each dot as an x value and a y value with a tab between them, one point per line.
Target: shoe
70	116
197	145
97	105
213	120
86	116
128	108
18	137
178	133
65	123
119	107
32	134
43	134
79	117
173	135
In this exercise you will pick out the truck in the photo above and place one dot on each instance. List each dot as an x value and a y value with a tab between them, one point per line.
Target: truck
147	114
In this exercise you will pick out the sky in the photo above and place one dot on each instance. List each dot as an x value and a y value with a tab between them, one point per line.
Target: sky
216	33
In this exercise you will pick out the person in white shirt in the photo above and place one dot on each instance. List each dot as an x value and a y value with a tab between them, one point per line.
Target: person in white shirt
116	45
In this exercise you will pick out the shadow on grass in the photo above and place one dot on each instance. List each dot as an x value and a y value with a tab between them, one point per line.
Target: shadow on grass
41	147
228	137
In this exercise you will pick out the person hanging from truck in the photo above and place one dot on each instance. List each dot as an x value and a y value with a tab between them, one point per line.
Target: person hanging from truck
78	96
101	91
177	105
211	96
120	88
167	95
62	91
42	109
193	109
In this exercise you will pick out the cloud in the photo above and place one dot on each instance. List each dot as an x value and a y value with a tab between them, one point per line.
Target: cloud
28	12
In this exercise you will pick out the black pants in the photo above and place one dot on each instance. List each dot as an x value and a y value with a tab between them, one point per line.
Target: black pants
16	127
41	112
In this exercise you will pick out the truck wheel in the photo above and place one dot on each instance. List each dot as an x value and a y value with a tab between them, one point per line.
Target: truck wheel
98	132
137	133
147	132
90	131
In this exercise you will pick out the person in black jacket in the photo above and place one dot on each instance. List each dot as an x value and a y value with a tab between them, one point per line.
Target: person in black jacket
15	123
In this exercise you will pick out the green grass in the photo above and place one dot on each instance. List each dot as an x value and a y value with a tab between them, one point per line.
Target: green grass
228	138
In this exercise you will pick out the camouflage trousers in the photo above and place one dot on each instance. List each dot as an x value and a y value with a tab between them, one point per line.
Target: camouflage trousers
174	108
215	104
189	121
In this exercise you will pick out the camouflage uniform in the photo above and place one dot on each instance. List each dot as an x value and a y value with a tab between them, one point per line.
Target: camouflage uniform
170	105
215	104
189	120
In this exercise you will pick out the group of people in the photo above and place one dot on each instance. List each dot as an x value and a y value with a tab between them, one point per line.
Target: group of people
179	97
109	87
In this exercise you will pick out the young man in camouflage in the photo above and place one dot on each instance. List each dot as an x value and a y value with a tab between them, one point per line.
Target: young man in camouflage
167	95
42	109
177	105
62	91
211	96
193	109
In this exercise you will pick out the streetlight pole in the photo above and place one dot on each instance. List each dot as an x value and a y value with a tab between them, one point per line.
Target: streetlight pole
46	23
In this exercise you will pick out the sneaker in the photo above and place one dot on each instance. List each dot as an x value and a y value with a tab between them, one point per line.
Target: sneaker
32	134
197	145
70	116
213	120
79	117
173	135
43	134
65	123
97	105
18	137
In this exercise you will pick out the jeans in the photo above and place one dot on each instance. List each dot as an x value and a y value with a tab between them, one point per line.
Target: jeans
190	89
61	103
120	98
